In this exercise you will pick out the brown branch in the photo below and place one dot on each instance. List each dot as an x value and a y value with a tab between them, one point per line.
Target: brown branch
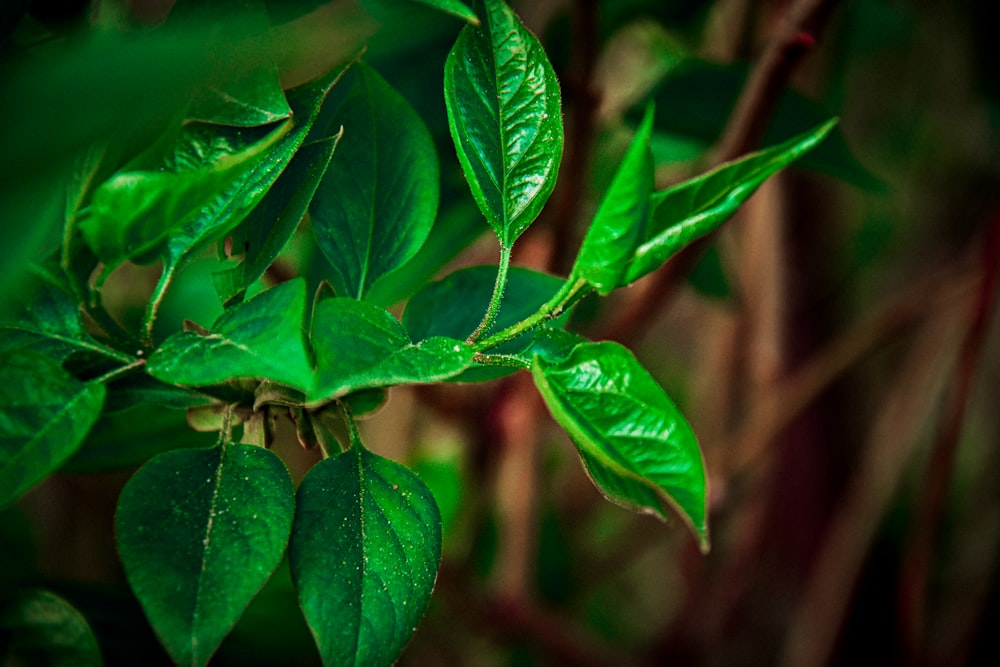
920	548
582	101
795	36
782	403
818	619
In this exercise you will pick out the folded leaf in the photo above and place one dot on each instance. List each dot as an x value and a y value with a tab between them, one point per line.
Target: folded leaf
636	445
698	206
199	533
264	233
622	217
505	116
364	554
169	188
376	204
262	338
45	413
360	346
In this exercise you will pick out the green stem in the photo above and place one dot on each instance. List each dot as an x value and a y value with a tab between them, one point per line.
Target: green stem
571	292
352	426
324	437
498	289
111	376
508	360
226	432
155	299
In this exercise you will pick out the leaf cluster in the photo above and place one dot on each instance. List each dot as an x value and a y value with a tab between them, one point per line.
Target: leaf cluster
242	169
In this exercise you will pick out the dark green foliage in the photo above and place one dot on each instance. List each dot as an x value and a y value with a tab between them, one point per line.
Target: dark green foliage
235	165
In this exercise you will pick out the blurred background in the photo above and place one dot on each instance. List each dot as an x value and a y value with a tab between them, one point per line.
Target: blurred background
834	347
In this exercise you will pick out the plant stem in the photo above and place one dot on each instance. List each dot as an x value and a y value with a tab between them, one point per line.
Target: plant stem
226	432
155	299
322	431
352	427
498	289
111	376
509	360
571	292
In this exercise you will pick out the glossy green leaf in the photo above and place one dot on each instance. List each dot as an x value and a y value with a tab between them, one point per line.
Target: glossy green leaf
50	322
453	307
636	445
622	217
262	338
694	100
199	533
231	206
364	555
453	7
264	233
170	187
377	202
698	206
245	98
45	413
361	346
505	117
41	628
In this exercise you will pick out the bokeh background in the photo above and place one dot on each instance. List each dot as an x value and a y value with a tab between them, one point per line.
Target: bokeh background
834	346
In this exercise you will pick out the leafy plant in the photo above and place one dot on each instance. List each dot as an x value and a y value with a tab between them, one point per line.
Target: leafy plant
200	530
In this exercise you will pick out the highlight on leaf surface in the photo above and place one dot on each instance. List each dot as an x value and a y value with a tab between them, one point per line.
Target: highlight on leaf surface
505	116
634	442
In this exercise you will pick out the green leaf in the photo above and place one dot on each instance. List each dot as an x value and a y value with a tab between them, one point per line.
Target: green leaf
264	233
453	7
364	555
361	346
694	101
45	629
199	533
621	220
128	438
698	206
170	187
262	338
452	307
454	230
636	445
244	99
45	413
137	390
377	202
50	323
505	117
230	207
